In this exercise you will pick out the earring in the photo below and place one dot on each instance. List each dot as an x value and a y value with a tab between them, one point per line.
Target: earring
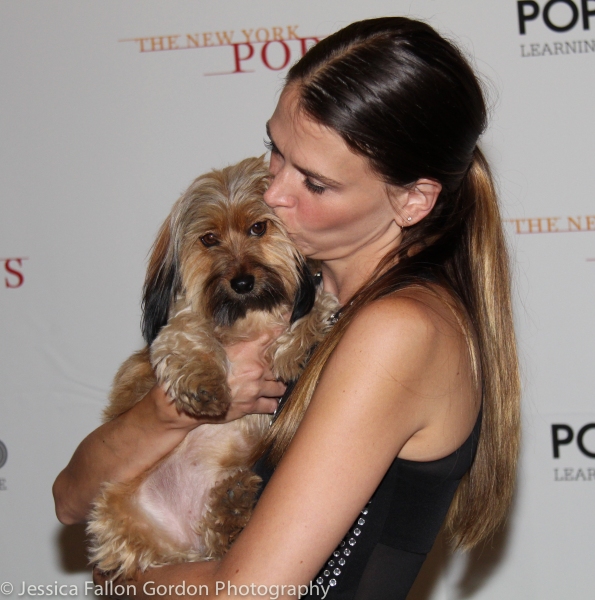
409	218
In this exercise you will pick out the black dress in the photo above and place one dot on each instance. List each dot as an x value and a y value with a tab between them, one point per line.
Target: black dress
384	550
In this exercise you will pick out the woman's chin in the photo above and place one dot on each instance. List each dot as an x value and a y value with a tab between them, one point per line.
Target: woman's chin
302	246
306	248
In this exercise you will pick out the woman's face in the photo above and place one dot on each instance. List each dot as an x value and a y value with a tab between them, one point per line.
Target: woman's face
330	201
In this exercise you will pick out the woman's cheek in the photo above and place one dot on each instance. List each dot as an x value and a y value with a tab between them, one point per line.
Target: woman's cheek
316	218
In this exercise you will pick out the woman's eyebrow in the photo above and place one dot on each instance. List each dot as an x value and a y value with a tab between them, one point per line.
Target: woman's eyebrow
306	172
327	181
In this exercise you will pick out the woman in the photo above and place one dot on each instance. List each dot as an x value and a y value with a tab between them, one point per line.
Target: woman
376	174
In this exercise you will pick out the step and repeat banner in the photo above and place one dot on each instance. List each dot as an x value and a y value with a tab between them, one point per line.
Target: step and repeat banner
108	110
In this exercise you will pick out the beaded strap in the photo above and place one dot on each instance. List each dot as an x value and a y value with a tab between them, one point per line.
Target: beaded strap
332	570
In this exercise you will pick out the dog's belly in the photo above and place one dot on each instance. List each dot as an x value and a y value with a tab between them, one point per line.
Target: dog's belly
175	496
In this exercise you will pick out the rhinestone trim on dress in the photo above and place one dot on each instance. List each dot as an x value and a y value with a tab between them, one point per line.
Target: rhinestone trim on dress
342	552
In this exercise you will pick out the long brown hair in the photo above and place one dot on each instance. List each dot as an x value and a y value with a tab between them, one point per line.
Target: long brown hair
406	99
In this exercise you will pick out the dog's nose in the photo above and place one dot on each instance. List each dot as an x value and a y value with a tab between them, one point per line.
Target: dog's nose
242	284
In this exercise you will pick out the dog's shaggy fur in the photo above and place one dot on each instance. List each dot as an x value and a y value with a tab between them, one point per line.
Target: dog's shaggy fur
222	270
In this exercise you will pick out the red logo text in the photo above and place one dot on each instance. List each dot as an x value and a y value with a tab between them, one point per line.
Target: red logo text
13	271
272	47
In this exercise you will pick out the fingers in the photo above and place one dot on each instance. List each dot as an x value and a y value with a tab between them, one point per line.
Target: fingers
247	396
272	389
265	406
252	384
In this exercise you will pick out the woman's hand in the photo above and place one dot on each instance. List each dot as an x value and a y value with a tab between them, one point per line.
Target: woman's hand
253	386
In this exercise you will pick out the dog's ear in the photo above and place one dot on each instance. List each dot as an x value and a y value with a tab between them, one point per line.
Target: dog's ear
306	293
162	284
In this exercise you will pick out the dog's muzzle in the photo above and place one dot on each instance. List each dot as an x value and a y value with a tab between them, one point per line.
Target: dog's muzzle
228	300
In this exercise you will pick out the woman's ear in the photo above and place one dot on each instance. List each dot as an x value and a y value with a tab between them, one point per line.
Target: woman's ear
418	201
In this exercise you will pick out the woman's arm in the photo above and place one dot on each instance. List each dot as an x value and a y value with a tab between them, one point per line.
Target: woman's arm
398	382
125	447
118	451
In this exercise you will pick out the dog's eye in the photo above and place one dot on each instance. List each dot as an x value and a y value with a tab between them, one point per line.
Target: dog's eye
209	239
258	229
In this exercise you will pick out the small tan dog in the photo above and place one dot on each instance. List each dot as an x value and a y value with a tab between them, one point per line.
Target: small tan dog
222	270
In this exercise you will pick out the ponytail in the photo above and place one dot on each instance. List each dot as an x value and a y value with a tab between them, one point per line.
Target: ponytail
481	502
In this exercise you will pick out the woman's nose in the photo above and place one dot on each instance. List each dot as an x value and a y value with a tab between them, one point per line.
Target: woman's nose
279	192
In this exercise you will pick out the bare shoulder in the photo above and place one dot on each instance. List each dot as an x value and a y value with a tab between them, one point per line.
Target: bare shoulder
417	341
413	320
417	306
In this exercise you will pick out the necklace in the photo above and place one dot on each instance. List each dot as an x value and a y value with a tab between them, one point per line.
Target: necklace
337	314
334	317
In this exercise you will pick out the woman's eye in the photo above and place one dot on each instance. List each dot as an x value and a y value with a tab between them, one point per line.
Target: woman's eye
209	239
258	229
270	146
315	189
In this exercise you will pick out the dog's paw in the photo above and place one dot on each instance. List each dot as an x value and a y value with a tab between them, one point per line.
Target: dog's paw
192	367
230	506
195	378
200	391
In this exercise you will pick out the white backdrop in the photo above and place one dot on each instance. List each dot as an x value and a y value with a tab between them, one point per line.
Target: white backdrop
108	111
